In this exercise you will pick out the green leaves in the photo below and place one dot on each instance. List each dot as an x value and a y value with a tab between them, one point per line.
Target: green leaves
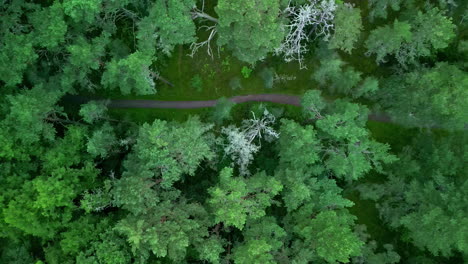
334	238
348	26
49	26
407	41
388	40
236	199
169	23
130	75
428	97
94	111
253	251
16	53
165	230
327	235
338	141
82	10
102	141
28	111
426	194
250	29
168	151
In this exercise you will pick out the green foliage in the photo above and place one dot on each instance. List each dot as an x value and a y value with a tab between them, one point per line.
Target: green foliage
130	75
176	226
328	233
167	151
89	184
235	199
433	30
425	34
16	53
378	8
235	83
428	97
250	29
426	194
370	252
42	206
94	111
388	40
211	249
344	144
348	26
222	110
268	77
338	80
85	57
253	251
49	25
334	75
82	10
169	23
102	141
265	229
108	249
312	103
25	122
16	253
246	71
302	188
197	82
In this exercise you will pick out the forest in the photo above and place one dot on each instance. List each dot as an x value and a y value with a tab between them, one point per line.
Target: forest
234	131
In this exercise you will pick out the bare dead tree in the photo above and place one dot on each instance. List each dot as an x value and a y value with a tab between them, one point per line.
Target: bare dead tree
314	18
195	46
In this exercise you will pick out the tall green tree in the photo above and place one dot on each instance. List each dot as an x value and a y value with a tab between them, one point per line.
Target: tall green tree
348	26
236	199
420	36
251	29
425	194
131	74
428	97
169	23
337	143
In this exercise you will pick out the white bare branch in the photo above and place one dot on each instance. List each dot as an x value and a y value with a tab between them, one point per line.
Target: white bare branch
254	127
315	18
197	45
240	144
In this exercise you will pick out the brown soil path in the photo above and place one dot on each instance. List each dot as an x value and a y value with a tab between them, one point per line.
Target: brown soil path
273	98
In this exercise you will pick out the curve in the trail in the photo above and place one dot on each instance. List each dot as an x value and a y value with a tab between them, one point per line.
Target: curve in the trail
294	100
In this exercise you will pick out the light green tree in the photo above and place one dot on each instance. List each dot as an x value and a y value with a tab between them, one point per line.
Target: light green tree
168	24
328	233
251	29
236	199
425	194
388	40
16	53
131	74
49	26
348	26
82	10
428	97
421	36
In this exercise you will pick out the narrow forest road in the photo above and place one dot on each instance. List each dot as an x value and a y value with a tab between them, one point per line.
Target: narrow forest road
294	100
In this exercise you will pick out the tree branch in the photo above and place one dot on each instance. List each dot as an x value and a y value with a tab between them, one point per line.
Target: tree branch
198	14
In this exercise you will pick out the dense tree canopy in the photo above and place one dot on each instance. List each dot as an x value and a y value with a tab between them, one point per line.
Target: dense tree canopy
250	28
312	131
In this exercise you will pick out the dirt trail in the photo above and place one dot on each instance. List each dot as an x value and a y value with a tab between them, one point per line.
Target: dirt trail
274	98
